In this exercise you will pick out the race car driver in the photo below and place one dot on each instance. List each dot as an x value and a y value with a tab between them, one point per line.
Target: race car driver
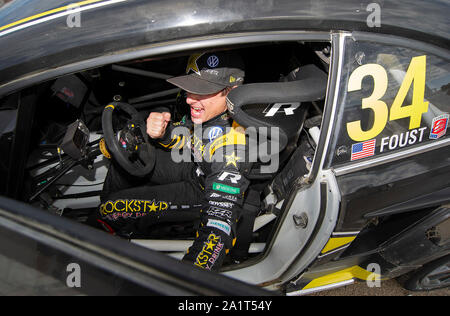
212	183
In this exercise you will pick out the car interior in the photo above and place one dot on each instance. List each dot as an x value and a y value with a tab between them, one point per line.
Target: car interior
64	158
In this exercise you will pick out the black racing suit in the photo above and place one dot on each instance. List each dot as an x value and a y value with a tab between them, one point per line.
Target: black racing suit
209	179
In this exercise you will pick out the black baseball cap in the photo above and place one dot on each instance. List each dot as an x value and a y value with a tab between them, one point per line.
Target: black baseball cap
208	73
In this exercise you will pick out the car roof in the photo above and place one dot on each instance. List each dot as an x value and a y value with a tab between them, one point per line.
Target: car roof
36	36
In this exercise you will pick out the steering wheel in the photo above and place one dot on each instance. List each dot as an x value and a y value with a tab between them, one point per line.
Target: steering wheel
130	146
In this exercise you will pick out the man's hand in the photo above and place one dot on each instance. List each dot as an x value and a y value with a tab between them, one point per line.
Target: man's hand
157	124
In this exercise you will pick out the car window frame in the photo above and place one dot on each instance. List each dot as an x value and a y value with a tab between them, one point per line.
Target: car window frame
171	47
186	45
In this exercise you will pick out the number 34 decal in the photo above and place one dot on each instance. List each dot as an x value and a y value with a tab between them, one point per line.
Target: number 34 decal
415	76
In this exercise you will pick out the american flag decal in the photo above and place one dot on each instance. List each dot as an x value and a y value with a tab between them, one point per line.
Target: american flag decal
364	149
439	126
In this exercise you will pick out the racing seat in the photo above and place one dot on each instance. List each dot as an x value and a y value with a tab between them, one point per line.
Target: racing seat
277	112
279	107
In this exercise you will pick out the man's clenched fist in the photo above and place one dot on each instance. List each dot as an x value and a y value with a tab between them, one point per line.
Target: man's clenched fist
157	124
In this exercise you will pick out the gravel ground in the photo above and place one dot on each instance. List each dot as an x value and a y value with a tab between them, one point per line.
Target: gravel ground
387	288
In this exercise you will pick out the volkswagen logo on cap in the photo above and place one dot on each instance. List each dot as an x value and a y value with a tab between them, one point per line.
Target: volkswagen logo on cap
213	61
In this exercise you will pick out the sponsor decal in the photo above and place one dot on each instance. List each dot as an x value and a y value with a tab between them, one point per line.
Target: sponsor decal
211	250
412	87
213	61
363	150
218	212
230	198
214	132
235	136
439	126
226	188
227	197
230	176
131	208
287	109
219	225
232	159
212	72
221	204
403	139
192	64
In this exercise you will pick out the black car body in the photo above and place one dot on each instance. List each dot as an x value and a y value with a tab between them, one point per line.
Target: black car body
363	186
